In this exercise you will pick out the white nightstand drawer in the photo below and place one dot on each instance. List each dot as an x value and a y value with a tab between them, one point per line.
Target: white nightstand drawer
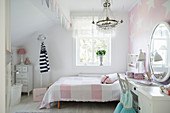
19	81
19	68
25	77
24	69
21	75
24	88
18	75
24	82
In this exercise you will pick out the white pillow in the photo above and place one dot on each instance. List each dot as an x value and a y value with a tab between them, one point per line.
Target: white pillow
109	79
112	78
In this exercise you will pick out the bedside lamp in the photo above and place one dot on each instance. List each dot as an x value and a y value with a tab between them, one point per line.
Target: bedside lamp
142	59
141	56
21	52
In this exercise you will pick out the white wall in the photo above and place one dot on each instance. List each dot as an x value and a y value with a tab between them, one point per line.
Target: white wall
60	51
29	19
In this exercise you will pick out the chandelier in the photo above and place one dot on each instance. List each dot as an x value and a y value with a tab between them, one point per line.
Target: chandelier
106	21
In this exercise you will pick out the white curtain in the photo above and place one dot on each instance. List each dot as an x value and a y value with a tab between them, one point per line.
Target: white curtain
82	27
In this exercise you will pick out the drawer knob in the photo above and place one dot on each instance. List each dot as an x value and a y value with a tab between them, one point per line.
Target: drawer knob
139	108
134	88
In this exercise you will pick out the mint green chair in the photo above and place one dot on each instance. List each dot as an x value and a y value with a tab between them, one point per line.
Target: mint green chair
126	100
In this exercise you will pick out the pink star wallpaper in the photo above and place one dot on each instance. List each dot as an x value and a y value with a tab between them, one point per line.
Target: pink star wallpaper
142	19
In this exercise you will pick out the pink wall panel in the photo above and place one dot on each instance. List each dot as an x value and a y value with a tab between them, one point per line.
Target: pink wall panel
142	19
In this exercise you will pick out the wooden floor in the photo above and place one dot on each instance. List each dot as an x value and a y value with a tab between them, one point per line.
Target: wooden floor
27	105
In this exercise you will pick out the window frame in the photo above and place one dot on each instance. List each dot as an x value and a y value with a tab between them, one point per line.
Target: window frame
76	49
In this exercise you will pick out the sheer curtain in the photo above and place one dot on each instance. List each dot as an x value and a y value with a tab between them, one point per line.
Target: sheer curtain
88	40
82	27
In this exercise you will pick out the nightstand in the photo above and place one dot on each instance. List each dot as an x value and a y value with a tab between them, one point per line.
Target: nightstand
25	77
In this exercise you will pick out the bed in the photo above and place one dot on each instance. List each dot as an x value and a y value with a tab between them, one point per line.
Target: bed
86	89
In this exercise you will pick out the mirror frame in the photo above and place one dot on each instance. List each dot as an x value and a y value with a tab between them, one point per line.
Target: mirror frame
167	76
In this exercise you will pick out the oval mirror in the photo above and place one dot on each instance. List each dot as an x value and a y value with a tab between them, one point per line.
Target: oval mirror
159	53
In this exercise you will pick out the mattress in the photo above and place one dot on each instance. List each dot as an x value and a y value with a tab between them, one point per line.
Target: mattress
87	89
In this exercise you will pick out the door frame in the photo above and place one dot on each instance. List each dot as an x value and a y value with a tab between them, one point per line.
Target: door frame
2	56
5	44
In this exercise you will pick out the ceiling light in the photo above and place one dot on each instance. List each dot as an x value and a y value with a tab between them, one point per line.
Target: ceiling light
106	21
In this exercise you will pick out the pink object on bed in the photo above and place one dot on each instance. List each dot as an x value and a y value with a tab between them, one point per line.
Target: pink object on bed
104	78
109	79
81	89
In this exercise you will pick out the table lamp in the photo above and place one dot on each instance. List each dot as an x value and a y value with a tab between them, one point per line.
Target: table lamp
21	52
141	56
142	59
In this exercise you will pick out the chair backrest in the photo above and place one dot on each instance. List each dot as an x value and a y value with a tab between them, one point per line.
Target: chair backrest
123	83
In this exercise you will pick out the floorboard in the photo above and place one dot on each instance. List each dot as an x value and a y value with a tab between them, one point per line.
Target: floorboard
27	105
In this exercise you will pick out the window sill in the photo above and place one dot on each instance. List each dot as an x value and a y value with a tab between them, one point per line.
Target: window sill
93	65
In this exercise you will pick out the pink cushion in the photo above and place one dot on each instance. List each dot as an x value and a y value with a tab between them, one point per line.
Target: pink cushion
112	78
38	94
109	79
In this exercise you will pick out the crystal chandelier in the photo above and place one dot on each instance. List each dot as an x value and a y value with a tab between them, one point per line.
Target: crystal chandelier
106	21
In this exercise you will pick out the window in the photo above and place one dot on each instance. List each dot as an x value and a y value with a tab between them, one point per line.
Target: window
86	49
87	41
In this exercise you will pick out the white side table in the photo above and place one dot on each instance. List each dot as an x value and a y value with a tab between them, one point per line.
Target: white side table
25	77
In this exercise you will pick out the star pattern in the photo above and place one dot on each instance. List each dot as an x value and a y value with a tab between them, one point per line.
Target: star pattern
139	2
150	4
167	5
131	18
144	17
131	36
139	23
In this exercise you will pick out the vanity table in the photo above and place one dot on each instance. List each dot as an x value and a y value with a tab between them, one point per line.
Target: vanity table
149	99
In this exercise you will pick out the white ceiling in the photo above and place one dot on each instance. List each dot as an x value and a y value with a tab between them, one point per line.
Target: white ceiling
29	17
88	5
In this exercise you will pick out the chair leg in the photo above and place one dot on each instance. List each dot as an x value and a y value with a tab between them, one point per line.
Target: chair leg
58	104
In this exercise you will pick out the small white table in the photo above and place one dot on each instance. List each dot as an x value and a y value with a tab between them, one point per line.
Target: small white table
25	77
150	99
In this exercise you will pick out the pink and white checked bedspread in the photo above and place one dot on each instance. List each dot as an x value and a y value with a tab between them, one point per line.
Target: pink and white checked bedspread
81	89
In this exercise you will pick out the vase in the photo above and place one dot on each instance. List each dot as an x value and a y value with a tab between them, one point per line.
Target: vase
101	60
27	61
22	59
